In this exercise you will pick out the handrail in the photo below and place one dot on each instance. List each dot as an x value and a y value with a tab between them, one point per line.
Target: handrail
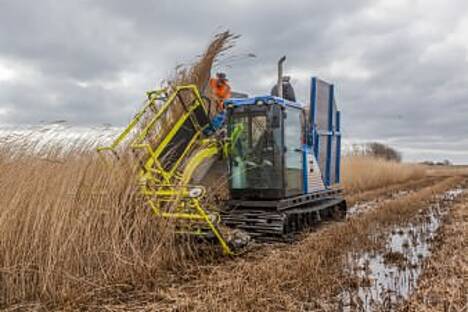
150	103
162	185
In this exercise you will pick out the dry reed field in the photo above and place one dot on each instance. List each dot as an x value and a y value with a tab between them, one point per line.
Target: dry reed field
74	231
364	173
307	276
70	226
75	234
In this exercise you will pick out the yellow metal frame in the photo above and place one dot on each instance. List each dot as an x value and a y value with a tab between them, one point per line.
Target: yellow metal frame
168	192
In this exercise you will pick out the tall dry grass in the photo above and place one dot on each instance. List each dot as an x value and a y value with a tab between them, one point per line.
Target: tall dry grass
71	227
197	74
68	227
363	173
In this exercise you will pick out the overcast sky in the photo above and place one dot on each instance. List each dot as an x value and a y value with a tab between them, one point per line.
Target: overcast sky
400	67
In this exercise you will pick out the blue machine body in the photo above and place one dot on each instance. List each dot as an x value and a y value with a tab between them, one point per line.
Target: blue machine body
320	142
266	99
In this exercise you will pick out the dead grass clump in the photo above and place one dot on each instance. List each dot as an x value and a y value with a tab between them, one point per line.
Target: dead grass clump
197	74
363	173
396	258
67	227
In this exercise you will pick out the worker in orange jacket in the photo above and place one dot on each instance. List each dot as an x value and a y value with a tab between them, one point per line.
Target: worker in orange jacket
220	89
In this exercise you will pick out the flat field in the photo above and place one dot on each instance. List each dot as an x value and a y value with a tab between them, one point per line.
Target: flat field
74	236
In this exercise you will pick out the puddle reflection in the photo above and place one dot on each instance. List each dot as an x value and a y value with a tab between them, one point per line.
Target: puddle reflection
385	278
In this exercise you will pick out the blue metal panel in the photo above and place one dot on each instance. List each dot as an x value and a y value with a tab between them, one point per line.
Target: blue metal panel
267	99
313	113
338	148
316	147
305	169
329	137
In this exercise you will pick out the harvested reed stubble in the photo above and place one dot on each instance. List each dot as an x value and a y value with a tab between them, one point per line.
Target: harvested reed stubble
305	276
443	284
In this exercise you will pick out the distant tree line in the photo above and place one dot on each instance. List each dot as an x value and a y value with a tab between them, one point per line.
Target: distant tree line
446	162
378	150
383	151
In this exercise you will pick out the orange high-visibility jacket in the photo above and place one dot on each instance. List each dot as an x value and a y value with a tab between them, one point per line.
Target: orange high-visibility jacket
220	88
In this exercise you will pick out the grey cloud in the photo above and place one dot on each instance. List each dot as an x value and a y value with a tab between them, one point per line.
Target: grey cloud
399	77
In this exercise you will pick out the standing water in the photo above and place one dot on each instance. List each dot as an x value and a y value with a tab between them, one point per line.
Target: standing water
387	277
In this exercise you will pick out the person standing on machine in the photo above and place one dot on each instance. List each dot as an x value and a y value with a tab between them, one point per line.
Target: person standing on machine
221	90
288	90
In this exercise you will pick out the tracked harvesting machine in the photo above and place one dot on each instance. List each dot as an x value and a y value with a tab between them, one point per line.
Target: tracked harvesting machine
282	160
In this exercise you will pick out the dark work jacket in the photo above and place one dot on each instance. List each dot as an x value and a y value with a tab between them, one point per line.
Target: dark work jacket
288	91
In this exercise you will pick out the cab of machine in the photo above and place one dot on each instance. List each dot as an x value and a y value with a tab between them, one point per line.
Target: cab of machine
266	160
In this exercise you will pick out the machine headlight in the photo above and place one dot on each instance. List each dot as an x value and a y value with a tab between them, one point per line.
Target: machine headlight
260	102
195	192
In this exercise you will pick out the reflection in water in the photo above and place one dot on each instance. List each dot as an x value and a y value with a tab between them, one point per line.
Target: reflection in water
385	278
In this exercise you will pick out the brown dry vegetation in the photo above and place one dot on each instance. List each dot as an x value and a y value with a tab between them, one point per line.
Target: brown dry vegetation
389	190
67	228
198	74
75	229
304	276
364	173
447	170
73	232
72	228
443	285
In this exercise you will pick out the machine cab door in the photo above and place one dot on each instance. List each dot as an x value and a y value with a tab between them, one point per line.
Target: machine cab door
293	151
256	163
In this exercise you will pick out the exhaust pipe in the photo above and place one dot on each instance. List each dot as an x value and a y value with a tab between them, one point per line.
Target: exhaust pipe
280	76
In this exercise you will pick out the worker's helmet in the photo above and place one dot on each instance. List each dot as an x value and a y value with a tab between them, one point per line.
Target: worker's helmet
221	76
